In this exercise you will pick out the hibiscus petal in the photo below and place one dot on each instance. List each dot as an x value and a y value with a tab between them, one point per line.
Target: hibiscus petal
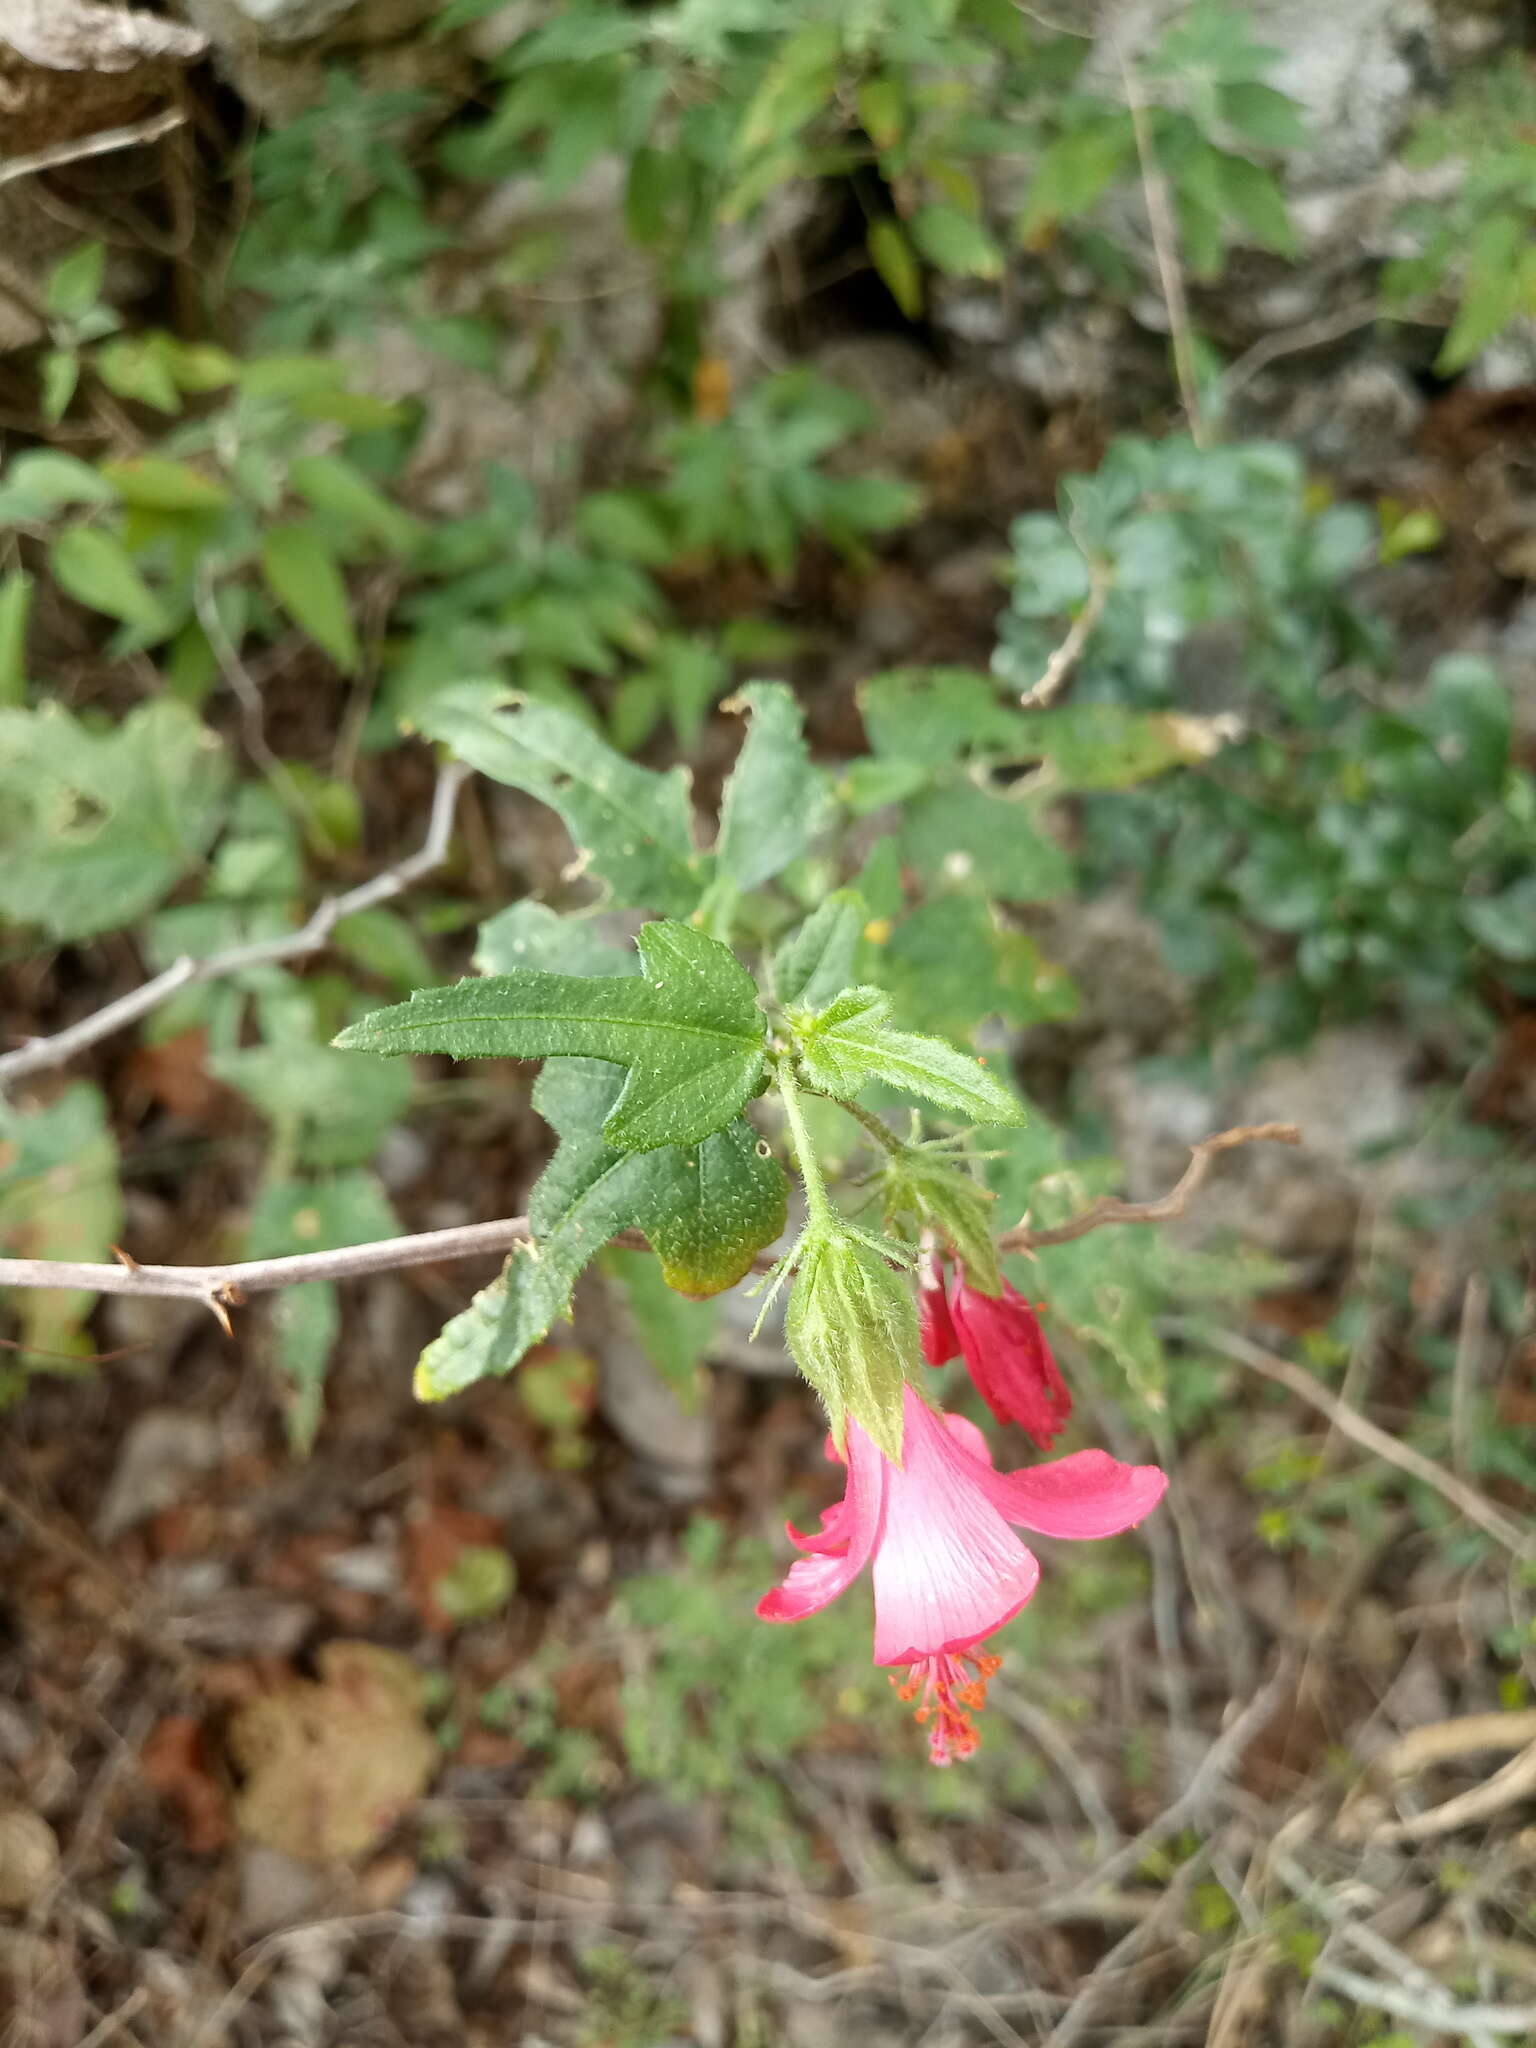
947	1569
940	1341
1087	1494
837	1555
812	1583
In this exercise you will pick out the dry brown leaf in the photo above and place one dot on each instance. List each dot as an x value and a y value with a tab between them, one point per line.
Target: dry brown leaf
175	1763
329	1767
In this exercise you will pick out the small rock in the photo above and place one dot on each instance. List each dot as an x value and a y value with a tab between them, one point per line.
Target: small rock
431	1898
166	1451
29	1856
273	1889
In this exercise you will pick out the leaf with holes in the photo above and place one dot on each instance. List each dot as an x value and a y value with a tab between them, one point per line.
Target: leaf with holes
687	1026
95	827
629	824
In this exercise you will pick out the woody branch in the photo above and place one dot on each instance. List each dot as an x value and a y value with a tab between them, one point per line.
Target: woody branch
224	1287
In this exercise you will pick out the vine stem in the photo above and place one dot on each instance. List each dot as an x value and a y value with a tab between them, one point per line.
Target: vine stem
816	1199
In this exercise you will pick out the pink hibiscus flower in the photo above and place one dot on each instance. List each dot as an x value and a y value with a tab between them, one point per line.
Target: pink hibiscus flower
946	1566
1005	1352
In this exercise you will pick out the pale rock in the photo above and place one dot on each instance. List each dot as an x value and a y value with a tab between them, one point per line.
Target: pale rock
29	1856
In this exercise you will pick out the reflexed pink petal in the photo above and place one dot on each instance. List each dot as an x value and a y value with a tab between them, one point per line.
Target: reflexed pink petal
812	1583
947	1569
839	1551
1088	1494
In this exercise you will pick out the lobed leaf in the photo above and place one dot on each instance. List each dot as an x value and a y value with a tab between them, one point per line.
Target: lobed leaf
688	1028
851	1043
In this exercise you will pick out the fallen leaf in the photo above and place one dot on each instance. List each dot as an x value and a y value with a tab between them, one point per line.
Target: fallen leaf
330	1766
436	1540
175	1763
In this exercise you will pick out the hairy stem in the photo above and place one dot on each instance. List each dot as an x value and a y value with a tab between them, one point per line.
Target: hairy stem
816	1201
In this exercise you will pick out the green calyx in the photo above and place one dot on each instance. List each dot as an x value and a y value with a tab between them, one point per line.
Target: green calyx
852	1329
921	1187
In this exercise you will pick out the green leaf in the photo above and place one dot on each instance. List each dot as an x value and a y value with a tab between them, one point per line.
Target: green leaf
851	1043
1492	288
817	961
775	802
708	1210
326	1109
963	834
96	826
896	261
1076	169
798	84
955	242
1505	923
95	568
688	1028
1261	114
630	823
39	481
139	367
60	380
1108	746
1253	195
882	104
293	1216
532	935
74	283
930	716
382	942
950	965
164	485
15	607
332	485
301	573
59	1199
626	525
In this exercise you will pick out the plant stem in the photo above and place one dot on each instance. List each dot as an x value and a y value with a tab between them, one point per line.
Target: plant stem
875	1126
816	1202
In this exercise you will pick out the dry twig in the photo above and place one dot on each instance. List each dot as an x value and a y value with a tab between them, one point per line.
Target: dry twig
41	1053
1465	1499
103	143
1065	658
221	1288
1110	1209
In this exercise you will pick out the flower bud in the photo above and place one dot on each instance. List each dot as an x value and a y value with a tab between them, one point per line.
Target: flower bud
852	1327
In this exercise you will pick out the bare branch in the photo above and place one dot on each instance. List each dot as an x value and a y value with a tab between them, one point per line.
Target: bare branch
103	143
1467	1501
1165	249
227	1286
1110	1209
1064	658
221	1288
1416	1994
40	1053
